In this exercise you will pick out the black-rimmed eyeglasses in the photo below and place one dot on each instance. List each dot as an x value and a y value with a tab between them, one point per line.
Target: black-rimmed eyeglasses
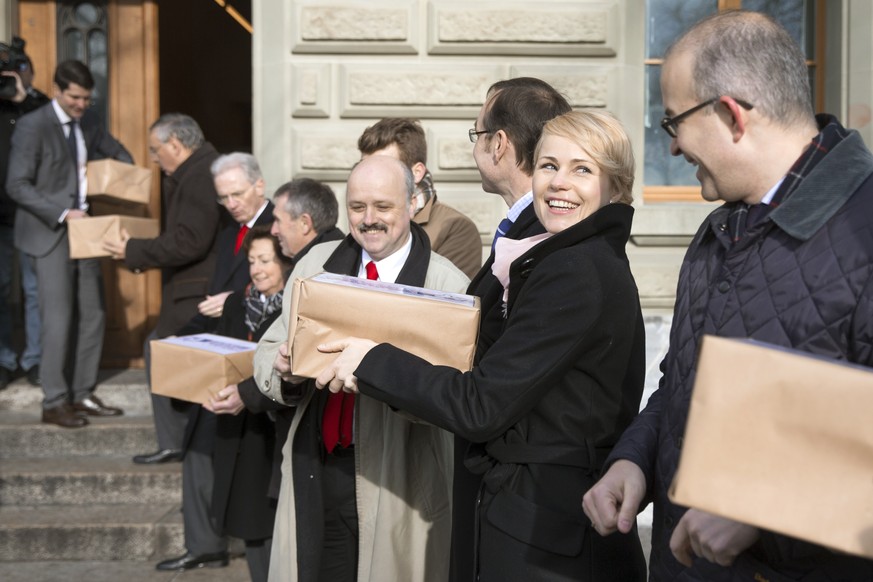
671	124
474	135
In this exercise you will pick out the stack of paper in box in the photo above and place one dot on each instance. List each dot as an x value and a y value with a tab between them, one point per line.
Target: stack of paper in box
196	367
330	307
781	440
124	189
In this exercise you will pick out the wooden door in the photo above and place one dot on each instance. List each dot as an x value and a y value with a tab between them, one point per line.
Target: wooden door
132	300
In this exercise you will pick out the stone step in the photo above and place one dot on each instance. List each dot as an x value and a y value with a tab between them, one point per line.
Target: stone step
126	389
88	480
96	532
128	571
23	436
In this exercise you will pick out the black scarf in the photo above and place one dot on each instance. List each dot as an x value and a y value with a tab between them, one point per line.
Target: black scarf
259	308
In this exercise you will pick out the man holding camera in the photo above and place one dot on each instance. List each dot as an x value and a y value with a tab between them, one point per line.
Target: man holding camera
17	97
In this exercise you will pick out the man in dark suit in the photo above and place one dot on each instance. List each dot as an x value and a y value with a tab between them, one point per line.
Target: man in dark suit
47	180
505	135
240	187
185	252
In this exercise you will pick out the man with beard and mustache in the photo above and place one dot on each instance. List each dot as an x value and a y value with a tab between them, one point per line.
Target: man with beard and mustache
355	472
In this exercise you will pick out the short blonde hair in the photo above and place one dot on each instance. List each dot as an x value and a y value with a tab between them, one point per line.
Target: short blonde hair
603	136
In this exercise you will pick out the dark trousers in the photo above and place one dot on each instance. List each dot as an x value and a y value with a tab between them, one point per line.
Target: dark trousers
339	555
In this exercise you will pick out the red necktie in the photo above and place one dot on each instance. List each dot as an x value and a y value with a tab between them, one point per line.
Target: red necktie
240	236
339	413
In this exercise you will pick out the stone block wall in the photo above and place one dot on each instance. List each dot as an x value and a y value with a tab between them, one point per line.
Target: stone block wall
325	70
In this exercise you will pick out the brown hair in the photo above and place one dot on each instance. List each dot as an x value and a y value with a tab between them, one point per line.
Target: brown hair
405	132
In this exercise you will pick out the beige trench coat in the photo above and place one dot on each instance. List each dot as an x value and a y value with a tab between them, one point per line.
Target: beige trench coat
403	468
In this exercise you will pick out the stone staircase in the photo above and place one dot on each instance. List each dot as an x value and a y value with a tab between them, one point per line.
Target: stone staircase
75	494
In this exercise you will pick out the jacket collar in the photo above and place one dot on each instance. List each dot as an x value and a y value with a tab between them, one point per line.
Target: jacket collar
346	259
819	196
827	188
612	222
201	154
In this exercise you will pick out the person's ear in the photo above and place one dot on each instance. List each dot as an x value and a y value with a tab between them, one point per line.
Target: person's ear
738	116
418	171
259	187
306	223
499	145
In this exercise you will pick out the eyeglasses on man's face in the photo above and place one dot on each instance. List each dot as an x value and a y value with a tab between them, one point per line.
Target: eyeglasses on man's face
235	196
474	135
671	124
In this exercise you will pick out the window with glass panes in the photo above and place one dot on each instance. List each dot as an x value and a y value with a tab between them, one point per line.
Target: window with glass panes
669	178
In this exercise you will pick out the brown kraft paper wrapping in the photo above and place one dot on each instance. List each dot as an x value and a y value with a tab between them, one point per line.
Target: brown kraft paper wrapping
196	367
118	181
331	307
781	440
86	235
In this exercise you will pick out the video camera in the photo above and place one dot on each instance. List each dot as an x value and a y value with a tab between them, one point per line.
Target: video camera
12	58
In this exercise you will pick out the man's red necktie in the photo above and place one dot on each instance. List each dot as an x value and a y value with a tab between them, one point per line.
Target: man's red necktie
240	236
339	413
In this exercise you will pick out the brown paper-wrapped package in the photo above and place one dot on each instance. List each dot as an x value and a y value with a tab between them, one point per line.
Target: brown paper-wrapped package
440	327
87	234
119	181
196	367
781	440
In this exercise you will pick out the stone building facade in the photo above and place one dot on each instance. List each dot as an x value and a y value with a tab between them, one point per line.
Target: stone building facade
324	70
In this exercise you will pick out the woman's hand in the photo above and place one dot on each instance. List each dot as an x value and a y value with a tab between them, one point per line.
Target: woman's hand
340	375
213	305
227	401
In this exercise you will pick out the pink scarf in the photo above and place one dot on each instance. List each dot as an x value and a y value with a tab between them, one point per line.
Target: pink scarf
506	250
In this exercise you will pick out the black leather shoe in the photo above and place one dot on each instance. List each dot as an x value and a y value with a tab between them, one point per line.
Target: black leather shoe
5	377
162	456
92	406
188	562
33	376
63	416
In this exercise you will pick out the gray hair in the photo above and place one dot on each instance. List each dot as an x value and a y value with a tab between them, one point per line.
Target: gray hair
181	126
308	196
749	56
409	180
245	162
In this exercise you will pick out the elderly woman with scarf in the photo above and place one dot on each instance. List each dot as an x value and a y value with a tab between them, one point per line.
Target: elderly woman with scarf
553	394
245	434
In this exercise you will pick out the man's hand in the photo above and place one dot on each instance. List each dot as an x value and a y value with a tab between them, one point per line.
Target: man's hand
713	538
75	214
227	401
340	375
613	502
213	305
117	249
282	363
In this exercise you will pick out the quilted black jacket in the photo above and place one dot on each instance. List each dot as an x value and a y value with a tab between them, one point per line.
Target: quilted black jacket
803	279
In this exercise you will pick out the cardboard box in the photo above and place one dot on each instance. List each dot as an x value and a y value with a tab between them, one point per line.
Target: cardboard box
119	181
87	234
196	367
781	440
440	327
